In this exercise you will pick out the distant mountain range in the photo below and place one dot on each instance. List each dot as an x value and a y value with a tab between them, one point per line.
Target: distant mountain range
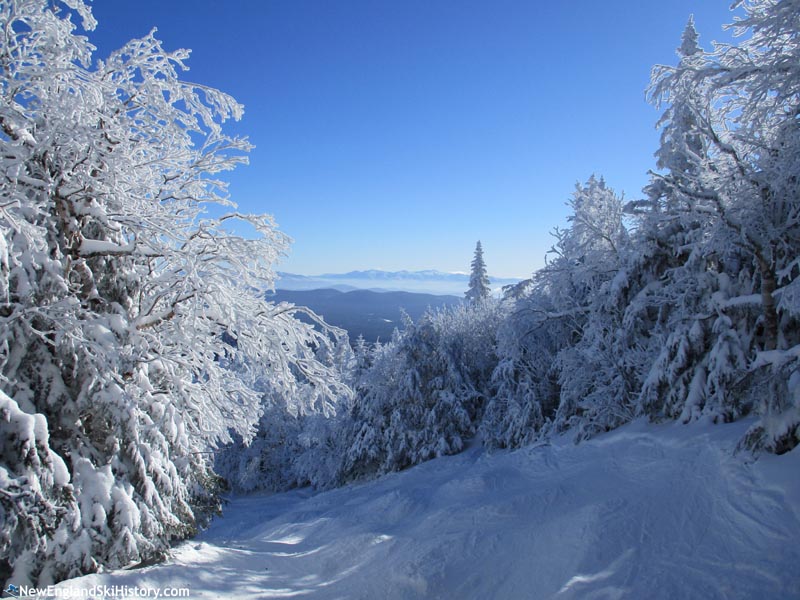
371	314
428	282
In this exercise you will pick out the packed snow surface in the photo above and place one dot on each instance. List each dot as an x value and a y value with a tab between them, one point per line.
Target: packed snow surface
667	511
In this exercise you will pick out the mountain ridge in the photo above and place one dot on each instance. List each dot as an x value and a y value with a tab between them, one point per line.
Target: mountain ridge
428	281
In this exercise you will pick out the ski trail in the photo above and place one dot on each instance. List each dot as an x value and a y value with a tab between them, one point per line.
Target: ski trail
645	511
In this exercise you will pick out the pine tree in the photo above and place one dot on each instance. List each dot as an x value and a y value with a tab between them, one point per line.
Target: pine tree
690	40
478	280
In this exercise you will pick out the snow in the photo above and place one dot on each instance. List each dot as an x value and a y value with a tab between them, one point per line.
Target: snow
92	247
646	511
61	474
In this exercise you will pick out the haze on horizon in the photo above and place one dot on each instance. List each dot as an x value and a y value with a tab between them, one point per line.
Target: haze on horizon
396	135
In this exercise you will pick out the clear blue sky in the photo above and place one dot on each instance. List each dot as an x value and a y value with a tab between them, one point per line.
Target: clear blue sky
394	134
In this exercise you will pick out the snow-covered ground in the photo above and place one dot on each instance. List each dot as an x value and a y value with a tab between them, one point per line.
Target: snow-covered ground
647	511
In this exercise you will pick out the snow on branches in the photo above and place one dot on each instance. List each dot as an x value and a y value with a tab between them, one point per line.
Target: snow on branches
133	322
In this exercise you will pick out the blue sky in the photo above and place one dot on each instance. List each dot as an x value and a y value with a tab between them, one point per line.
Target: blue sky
394	134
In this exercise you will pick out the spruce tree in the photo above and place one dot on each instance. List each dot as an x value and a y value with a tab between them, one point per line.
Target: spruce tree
478	280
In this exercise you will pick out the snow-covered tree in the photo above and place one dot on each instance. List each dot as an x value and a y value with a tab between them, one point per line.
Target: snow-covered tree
117	292
479	287
524	385
298	438
731	150
559	360
424	393
34	495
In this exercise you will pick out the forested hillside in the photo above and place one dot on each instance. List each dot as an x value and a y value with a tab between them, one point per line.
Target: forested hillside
682	305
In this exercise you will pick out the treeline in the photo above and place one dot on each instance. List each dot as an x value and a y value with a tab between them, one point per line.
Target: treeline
682	305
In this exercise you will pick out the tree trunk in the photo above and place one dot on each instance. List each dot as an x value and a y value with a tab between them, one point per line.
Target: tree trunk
768	286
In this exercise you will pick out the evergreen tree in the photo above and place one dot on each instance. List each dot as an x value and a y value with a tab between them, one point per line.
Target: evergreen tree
558	353
730	149
424	392
478	280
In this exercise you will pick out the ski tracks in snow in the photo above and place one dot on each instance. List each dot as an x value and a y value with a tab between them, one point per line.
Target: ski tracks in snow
646	511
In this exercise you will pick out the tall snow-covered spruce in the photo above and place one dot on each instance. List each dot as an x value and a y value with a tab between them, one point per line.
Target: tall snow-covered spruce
133	331
479	287
731	155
